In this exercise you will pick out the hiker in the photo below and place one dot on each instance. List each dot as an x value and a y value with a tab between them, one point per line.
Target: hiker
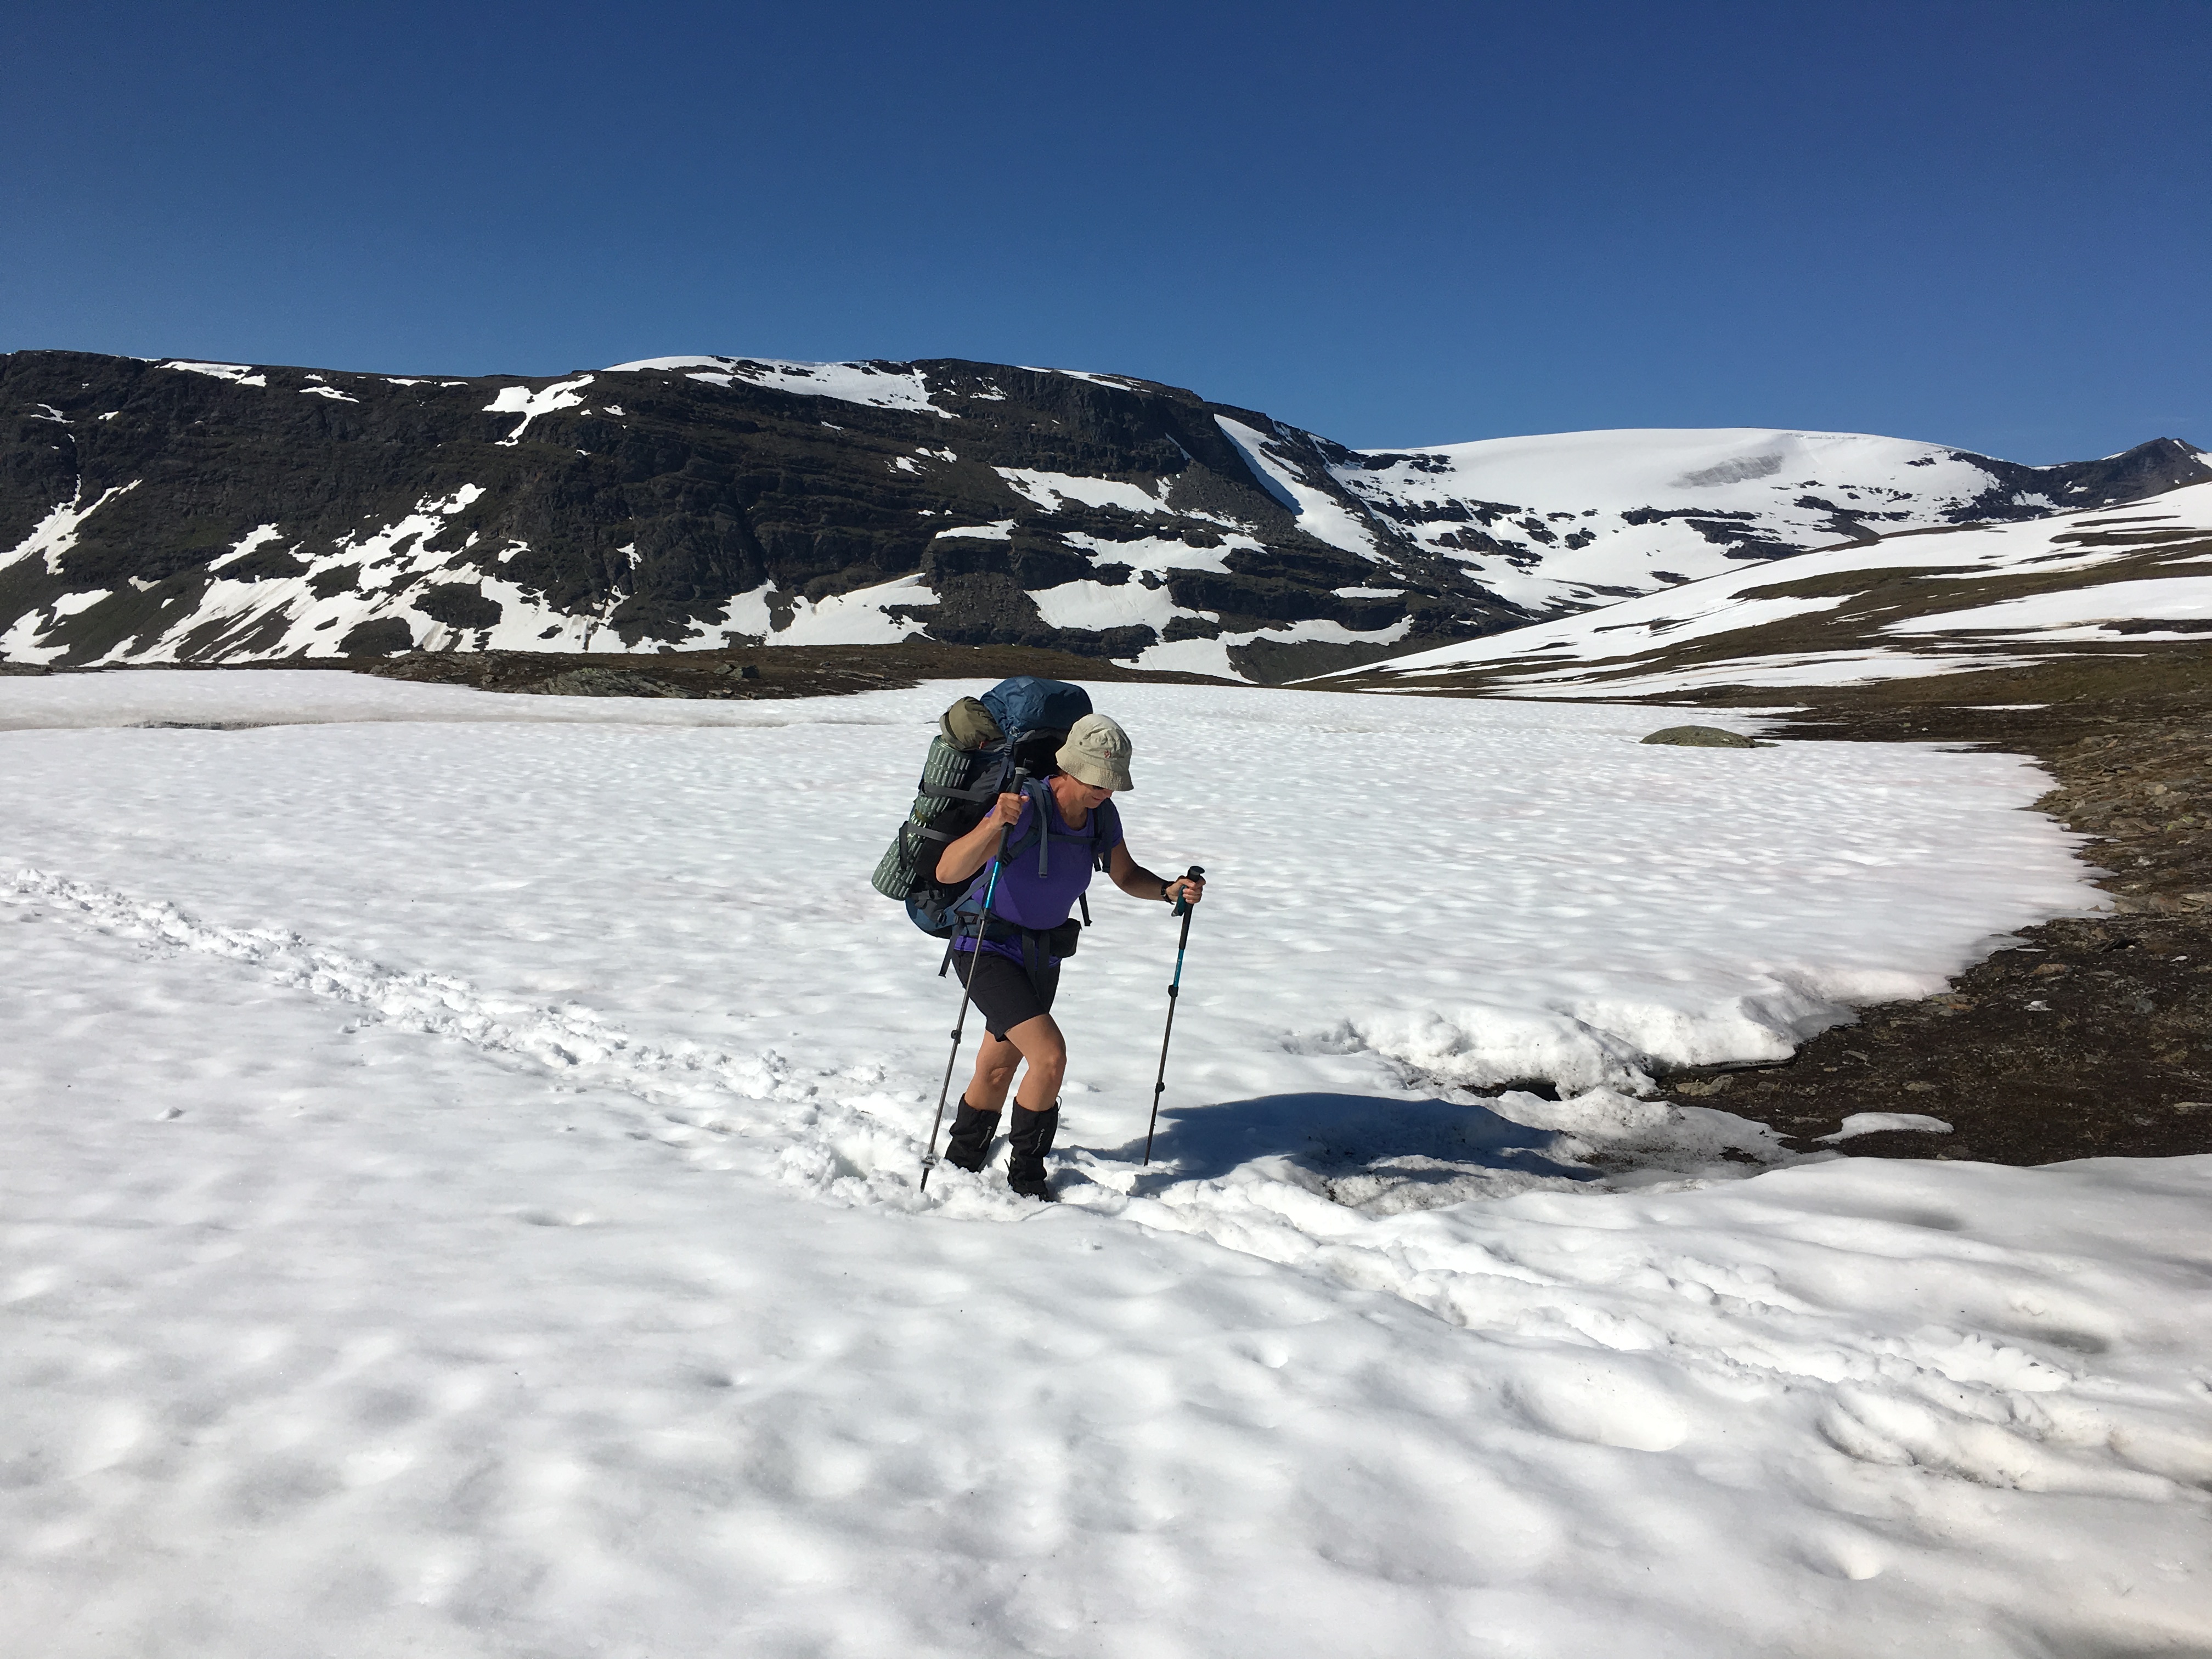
1013	978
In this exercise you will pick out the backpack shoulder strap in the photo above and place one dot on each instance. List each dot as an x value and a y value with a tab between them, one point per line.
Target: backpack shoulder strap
1039	794
1103	829
1106	832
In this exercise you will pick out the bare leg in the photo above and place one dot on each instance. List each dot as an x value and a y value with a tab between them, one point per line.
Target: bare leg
1037	1107
1045	1051
994	1074
1038	1042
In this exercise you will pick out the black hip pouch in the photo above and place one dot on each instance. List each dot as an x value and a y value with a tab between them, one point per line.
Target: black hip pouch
1061	941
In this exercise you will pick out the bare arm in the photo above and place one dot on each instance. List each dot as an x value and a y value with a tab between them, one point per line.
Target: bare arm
962	857
1132	878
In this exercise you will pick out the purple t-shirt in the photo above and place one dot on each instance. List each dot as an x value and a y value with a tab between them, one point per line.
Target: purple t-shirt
1040	903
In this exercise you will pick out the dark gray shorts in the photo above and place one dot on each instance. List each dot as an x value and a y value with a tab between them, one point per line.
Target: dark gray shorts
1003	990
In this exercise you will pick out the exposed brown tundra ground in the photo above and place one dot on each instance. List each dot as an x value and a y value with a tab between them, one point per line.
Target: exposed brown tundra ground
2086	1037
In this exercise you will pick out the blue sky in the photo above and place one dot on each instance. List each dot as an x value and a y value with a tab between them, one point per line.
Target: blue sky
1987	224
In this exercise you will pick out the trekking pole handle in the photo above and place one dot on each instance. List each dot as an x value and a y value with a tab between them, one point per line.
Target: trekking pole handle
1196	873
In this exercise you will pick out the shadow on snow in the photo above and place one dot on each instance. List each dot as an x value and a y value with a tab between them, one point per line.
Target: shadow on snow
1338	1136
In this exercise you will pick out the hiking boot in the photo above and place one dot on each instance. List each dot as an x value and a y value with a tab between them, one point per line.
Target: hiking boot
969	1144
1027	1142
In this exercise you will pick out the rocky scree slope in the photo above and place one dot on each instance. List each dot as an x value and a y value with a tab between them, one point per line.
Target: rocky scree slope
189	512
195	512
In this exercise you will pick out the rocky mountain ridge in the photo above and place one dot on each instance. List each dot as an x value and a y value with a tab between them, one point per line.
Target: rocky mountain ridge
197	512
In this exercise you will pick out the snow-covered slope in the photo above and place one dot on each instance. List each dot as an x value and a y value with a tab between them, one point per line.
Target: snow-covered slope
1575	519
1921	602
458	1204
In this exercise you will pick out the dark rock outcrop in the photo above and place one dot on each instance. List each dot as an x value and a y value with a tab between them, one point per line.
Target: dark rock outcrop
1703	737
203	513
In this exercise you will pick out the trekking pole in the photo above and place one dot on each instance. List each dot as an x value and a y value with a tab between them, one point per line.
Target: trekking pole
1183	907
966	993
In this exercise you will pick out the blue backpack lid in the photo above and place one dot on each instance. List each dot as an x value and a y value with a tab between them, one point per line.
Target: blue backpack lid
1026	703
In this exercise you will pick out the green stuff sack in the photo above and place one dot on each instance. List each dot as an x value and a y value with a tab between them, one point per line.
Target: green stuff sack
960	776
968	726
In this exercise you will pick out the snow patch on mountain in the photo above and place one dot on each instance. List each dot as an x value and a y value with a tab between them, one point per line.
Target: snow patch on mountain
1052	491
860	617
1158	555
1099	606
56	534
878	385
287	614
863	616
50	541
236	373
259	536
1319	513
521	400
1118	381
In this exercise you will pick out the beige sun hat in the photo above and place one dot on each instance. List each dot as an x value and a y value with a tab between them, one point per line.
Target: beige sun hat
1097	752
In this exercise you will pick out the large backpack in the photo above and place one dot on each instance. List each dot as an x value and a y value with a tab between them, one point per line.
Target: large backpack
983	747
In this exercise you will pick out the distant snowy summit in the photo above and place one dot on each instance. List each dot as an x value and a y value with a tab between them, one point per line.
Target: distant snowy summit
1577	518
2130	588
180	510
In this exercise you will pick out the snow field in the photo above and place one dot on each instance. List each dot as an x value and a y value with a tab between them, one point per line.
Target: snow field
458	1192
326	1329
1468	894
135	698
